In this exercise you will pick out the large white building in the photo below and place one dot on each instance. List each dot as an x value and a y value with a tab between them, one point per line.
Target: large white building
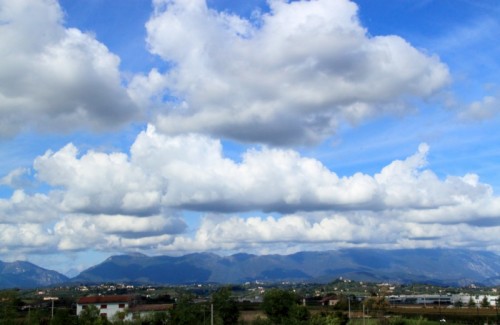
464	299
108	306
443	299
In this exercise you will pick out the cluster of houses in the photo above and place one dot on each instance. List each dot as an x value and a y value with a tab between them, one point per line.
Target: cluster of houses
126	305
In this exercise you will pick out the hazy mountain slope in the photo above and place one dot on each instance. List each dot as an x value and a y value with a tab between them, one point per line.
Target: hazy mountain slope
27	275
440	266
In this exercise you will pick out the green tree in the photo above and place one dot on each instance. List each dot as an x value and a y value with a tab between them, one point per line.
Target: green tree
336	318
119	317
471	303
281	307
37	316
186	312
91	316
300	313
261	321
63	317
377	304
159	318
346	300
9	301
225	308
485	303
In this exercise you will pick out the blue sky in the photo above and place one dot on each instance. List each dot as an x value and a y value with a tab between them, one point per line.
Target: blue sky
178	126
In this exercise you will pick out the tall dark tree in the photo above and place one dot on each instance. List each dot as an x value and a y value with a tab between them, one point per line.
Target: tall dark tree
485	303
281	307
225	307
300	314
63	317
9	301
186	312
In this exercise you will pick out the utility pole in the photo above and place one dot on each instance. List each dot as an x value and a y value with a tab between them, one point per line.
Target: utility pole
52	299
496	307
439	301
363	314
349	304
211	314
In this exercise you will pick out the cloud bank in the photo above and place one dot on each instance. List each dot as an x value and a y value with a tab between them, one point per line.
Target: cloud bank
135	200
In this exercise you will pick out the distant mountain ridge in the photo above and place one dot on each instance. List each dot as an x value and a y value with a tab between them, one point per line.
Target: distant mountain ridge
20	274
440	266
437	266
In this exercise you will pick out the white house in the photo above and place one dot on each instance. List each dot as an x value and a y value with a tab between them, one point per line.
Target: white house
108	305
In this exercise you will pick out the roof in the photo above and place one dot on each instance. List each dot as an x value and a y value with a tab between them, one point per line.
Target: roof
105	299
152	307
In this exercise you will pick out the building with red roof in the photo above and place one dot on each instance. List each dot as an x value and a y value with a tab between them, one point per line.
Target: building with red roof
108	305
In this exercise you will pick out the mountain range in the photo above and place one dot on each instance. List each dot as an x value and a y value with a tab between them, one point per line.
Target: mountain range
438	266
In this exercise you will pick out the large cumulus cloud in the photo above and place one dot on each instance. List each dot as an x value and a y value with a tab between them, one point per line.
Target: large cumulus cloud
105	232
289	76
54	78
43	223
191	172
101	183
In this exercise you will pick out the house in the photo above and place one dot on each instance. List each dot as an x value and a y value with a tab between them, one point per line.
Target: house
108	305
330	300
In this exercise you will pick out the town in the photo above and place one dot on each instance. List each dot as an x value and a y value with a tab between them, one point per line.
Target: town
339	302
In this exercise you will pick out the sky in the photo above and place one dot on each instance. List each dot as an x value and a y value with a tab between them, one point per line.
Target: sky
261	126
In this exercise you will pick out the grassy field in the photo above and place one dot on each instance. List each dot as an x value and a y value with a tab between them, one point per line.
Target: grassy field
251	315
434	310
455	315
415	315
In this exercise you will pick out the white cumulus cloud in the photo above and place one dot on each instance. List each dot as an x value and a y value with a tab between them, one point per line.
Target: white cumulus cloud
100	183
54	78
289	76
105	232
191	172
